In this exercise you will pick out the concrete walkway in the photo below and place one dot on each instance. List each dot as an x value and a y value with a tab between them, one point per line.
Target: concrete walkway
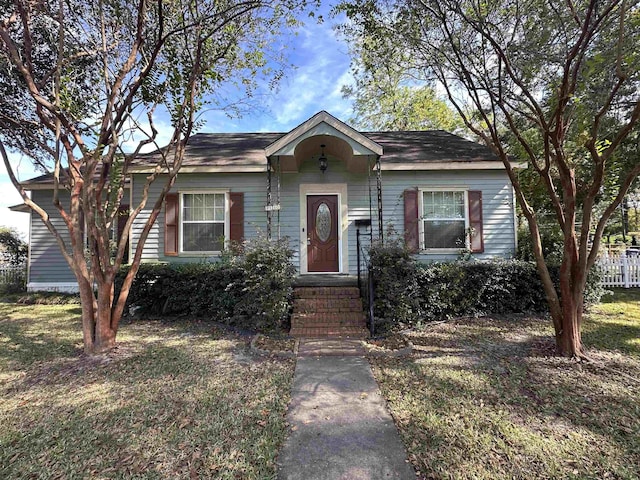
340	426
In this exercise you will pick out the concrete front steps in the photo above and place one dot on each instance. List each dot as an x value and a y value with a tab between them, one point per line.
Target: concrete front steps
328	312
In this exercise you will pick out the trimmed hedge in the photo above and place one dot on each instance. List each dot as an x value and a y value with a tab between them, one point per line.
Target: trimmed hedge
198	289
251	291
408	293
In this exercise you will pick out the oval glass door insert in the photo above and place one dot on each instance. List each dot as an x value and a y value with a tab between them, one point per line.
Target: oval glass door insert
323	222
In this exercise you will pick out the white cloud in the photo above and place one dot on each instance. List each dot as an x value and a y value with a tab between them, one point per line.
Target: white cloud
322	67
9	196
15	220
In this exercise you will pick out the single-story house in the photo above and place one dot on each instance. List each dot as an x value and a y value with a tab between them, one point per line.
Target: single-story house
316	185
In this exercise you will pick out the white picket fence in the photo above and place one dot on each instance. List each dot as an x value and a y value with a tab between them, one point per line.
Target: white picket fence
620	271
12	274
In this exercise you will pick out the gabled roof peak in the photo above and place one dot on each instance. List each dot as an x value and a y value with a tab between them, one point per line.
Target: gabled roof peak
303	130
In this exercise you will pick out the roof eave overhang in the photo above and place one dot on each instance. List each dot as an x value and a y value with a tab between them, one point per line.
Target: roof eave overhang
316	120
207	169
473	165
20	208
41	186
49	186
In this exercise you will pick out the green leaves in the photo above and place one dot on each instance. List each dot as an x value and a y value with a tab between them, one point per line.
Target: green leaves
389	93
409	294
13	249
602	145
250	288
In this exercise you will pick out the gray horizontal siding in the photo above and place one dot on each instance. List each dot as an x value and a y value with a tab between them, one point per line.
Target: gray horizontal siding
46	263
497	206
253	185
497	203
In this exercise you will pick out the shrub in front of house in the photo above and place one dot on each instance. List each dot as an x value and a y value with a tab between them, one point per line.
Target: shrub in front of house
409	293
251	289
396	299
479	288
197	289
266	286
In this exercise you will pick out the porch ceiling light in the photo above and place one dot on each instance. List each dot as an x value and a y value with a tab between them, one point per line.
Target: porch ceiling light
322	160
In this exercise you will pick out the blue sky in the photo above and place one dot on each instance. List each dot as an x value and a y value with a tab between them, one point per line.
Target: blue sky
322	67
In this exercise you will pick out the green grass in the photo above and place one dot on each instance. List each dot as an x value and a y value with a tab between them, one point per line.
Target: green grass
179	400
615	323
487	399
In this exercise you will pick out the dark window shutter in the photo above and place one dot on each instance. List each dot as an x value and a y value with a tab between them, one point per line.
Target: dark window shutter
475	221
171	224
411	235
236	216
123	216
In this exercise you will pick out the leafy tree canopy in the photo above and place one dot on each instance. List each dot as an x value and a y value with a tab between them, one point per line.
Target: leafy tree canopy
557	84
81	80
387	98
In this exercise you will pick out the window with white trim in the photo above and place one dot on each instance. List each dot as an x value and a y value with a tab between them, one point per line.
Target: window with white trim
444	219
204	222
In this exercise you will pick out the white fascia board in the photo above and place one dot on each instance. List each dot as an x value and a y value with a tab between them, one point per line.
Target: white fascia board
209	169
483	165
49	186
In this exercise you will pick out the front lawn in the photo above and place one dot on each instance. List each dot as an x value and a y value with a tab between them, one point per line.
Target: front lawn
175	400
486	399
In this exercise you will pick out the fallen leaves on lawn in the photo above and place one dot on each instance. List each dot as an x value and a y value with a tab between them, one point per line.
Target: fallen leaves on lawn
488	398
173	400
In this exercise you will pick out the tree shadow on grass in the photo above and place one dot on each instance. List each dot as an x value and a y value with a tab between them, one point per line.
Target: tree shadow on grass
613	336
519	401
154	361
24	345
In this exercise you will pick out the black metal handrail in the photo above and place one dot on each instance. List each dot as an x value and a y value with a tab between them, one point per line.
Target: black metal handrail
365	278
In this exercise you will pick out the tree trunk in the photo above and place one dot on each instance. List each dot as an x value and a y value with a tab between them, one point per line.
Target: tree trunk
573	275
569	340
105	335
97	332
87	302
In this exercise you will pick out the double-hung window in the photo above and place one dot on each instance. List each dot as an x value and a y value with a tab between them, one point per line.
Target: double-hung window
444	219
203	222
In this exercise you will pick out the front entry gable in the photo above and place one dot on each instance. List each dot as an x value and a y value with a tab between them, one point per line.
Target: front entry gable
339	138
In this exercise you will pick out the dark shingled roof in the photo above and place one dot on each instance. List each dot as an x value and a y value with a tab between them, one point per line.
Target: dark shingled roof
429	146
247	149
236	149
46	180
222	149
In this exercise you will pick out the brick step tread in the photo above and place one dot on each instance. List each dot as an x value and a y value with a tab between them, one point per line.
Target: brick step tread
360	328
338	323
329	332
335	311
327	309
327	304
323	292
332	337
328	316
